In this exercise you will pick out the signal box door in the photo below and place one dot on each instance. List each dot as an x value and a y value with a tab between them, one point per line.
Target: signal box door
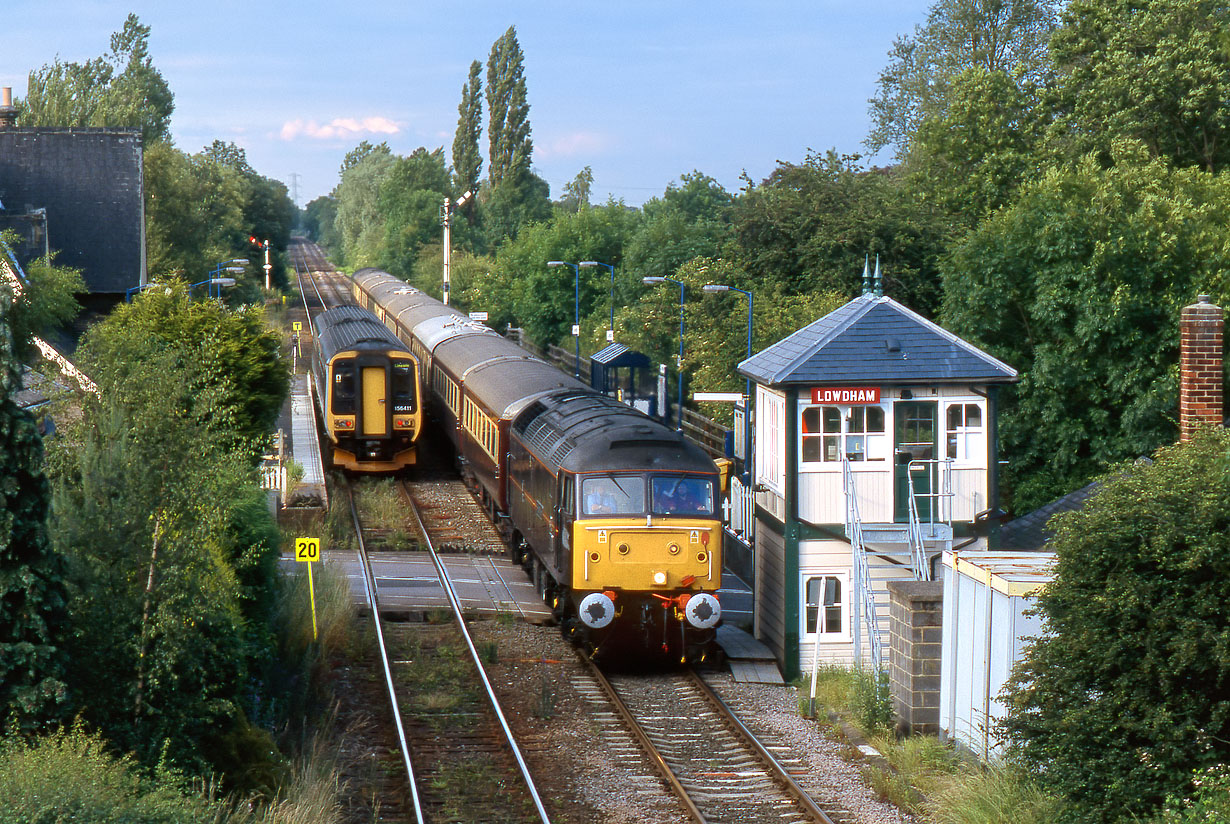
375	401
914	439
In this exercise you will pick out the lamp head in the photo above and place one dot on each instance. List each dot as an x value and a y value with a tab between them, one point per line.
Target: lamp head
714	287
653	280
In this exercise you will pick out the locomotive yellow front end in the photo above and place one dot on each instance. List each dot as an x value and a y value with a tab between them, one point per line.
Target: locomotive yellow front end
647	549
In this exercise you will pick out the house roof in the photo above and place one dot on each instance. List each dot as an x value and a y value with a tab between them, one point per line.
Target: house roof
874	340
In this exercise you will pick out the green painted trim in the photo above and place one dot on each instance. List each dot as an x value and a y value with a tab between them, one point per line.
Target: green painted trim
767	518
790	589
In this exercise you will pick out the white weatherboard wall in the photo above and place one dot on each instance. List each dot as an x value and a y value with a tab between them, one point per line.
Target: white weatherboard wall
986	595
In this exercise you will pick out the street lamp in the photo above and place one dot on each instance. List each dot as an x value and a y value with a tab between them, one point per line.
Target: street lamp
747	392
576	311
215	281
679	411
446	218
587	264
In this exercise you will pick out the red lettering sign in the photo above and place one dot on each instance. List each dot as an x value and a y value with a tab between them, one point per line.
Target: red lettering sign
845	395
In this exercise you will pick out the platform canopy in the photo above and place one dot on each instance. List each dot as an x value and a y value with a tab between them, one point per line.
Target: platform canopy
874	340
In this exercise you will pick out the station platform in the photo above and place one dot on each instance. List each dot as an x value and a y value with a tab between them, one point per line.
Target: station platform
750	661
304	443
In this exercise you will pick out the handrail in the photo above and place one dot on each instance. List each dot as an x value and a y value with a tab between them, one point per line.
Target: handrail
863	601
940	501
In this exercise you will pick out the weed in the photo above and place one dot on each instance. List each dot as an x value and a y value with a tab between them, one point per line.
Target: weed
891	787
998	793
871	700
489	652
548	696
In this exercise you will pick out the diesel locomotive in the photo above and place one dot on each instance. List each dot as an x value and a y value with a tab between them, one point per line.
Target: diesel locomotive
367	391
614	516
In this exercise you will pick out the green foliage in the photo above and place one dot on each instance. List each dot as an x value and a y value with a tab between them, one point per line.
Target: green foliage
970	159
32	591
1157	71
992	796
690	220
997	36
122	89
508	112
320	222
410	197
1078	285
467	159
47	301
72	776
1127	691
1209	800
810	226
358	219
871	700
235	380
576	191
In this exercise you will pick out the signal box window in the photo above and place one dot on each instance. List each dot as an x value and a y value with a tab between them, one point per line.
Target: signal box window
343	388
613	495
965	439
831	433
682	496
825	612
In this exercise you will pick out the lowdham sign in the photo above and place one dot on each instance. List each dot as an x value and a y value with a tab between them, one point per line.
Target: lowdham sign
845	395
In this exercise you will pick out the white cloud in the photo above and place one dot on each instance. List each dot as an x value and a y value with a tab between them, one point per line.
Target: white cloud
573	144
339	127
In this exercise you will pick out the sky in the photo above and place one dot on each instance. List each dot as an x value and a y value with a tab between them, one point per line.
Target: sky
640	92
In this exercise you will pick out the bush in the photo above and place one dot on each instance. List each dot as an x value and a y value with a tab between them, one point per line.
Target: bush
70	776
871	700
1210	800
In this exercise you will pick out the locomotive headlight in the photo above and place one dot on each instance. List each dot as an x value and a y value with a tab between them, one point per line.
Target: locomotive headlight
659	579
673	549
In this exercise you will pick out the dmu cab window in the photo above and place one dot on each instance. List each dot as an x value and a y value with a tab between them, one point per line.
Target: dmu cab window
403	387
673	495
343	387
613	495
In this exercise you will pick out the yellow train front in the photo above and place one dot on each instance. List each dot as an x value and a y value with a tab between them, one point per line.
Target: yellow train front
628	548
367	391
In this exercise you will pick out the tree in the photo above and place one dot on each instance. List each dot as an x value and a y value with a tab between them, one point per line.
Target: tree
268	212
1078	285
576	191
320	222
467	159
1127	690
690	219
32	590
810	226
1008	36
1154	70
508	112
970	159
121	89
409	201
358	211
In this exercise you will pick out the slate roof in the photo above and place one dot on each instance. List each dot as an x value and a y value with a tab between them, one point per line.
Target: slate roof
90	182
874	340
1030	532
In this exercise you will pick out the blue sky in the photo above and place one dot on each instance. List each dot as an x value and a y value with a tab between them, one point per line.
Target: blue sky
641	92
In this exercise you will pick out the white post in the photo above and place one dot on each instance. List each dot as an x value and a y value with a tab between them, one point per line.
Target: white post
448	244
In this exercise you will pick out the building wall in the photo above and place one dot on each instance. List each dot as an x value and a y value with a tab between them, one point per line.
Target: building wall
90	182
769	596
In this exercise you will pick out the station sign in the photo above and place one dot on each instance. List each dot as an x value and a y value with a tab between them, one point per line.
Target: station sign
845	395
478	316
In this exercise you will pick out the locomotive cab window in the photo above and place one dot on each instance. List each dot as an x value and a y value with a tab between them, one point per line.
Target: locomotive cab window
673	495
403	387
343	387
613	495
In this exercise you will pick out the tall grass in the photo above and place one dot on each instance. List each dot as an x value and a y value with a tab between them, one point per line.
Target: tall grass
991	796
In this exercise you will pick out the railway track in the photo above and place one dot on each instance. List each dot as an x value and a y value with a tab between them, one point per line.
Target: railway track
320	286
717	768
461	760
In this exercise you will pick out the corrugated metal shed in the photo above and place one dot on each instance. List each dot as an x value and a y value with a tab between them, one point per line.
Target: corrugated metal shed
874	340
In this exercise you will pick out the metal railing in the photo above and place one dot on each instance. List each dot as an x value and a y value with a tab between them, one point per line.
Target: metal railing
864	602
937	470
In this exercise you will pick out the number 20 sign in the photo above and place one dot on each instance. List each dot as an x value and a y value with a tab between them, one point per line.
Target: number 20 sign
307	549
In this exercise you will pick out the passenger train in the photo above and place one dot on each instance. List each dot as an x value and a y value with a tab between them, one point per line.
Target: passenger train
614	515
367	391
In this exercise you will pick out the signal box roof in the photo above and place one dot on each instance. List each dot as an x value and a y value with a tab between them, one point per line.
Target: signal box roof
874	340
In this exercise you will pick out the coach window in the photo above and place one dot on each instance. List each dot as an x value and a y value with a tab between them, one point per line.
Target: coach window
831	433
343	387
966	440
826	597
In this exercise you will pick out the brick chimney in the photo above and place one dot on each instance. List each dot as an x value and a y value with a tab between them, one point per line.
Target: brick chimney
8	112
1200	358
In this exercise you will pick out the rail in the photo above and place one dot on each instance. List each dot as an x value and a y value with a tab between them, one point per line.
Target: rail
369	586
447	584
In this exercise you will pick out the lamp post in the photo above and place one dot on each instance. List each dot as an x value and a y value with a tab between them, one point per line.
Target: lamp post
610	332
576	311
679	411
747	390
446	218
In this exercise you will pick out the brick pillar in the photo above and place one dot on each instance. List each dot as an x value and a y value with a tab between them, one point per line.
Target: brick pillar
916	616
1200	358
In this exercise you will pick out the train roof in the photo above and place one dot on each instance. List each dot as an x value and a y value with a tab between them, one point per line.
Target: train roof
344	328
404	302
584	431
